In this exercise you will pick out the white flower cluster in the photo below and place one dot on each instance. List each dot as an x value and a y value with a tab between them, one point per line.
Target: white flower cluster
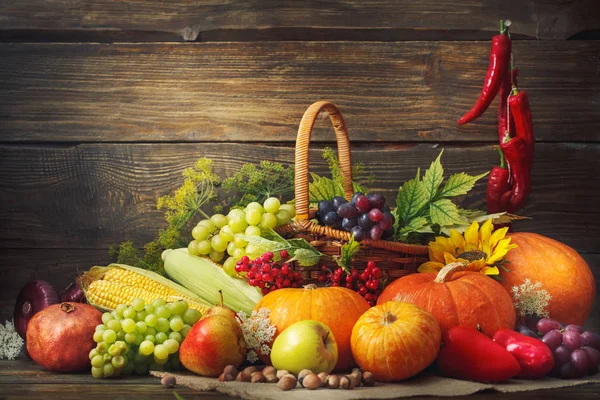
258	332
10	341
531	298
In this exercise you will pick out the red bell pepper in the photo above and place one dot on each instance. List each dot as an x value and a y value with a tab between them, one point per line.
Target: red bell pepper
534	357
469	354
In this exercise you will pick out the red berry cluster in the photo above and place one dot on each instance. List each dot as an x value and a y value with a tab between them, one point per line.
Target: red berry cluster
367	284
268	274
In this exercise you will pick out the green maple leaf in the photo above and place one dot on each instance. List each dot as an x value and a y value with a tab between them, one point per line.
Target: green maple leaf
444	212
412	197
459	184
433	177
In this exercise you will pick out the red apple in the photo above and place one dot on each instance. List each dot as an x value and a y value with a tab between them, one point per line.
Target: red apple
212	344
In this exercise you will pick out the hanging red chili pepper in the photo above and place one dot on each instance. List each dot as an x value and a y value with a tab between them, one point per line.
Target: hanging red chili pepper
497	69
498	184
505	121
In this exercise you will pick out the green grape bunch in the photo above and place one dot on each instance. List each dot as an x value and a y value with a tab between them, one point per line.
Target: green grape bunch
141	337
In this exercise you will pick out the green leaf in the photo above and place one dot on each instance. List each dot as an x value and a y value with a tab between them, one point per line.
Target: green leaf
306	257
459	184
349	249
300	243
444	212
321	188
270	234
412	197
433	177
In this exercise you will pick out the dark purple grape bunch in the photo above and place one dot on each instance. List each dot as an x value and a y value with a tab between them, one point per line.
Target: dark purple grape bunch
576	351
365	216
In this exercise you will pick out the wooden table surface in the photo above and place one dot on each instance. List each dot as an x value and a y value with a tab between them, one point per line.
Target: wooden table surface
23	379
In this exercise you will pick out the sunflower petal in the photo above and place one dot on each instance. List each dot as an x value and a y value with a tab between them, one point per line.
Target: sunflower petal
500	251
491	271
472	236
436	252
497	236
477	265
486	231
430	266
458	241
449	258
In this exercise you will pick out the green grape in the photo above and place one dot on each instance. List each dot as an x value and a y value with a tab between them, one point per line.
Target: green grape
160	363
139	338
208	224
162	325
176	336
176	324
149	308
151	330
107	357
99	336
171	345
93	352
141	369
114	325
219	243
100	327
216	256
288	207
255	205
204	247
283	217
226	234
161	337
163	312
130	337
98	372
184	331
141	326
98	361
107	317
101	348
118	362
178	307
236	212
138	305
122	345
151	320
161	352
193	248
252	250
231	248
200	232
219	220
229	266
129	367
268	221
271	205
252	231
128	325
238	253
115	315
238	224
159	302
109	336
109	370
253	215
129	313
149	338
120	308
120	335
239	241
191	316
114	350
141	316
139	358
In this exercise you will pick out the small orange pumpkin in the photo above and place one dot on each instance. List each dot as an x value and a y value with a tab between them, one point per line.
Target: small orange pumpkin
338	308
456	298
560	269
395	340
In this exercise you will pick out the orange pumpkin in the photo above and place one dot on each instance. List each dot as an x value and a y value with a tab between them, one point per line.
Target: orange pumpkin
395	340
338	308
456	298
561	271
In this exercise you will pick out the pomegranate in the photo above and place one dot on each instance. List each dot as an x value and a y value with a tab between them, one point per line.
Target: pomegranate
60	337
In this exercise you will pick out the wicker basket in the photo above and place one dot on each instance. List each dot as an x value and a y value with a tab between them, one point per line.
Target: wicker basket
395	259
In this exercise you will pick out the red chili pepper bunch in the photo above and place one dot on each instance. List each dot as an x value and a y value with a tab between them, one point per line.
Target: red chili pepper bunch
508	188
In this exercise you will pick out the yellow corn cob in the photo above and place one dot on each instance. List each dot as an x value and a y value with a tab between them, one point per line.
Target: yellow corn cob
107	287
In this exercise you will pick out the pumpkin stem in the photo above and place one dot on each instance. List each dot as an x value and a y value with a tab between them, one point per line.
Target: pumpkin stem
388	318
67	307
310	286
449	270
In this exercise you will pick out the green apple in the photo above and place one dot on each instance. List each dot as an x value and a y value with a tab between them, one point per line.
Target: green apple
305	344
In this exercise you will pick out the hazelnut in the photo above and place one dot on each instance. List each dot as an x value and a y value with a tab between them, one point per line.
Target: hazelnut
368	379
282	372
323	377
168	381
257	377
231	370
287	382
311	381
345	382
250	370
302	374
268	370
243	377
333	381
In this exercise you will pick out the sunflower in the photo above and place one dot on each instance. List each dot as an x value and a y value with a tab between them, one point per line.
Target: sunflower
482	250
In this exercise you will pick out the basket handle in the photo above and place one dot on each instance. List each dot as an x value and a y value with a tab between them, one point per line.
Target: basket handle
301	159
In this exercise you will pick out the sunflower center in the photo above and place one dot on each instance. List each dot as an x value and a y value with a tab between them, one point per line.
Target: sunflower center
473	255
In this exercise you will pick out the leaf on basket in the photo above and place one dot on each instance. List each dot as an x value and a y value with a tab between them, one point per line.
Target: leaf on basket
300	243
321	188
271	235
306	257
349	249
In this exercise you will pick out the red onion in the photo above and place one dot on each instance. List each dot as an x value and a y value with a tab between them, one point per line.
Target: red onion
33	297
73	293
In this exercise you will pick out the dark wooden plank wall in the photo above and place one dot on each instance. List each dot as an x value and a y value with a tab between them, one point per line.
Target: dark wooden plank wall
100	109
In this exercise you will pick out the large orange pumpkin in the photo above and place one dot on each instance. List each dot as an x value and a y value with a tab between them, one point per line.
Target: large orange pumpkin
395	340
456	298
338	308
561	271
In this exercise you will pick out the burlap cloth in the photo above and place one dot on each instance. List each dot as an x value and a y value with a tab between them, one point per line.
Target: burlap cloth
422	385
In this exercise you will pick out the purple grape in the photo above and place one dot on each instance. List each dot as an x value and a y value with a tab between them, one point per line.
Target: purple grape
388	234
359	233
325	206
572	340
376	200
376	232
387	221
553	339
562	354
591	339
332	219
545	325
531	321
365	221
593	356
354	197
338	201
349	223
362	203
386	208
524	330
347	210
579	360
375	215
575	328
567	371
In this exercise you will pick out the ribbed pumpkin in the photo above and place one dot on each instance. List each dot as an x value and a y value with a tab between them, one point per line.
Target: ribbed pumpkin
456	298
560	269
338	308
